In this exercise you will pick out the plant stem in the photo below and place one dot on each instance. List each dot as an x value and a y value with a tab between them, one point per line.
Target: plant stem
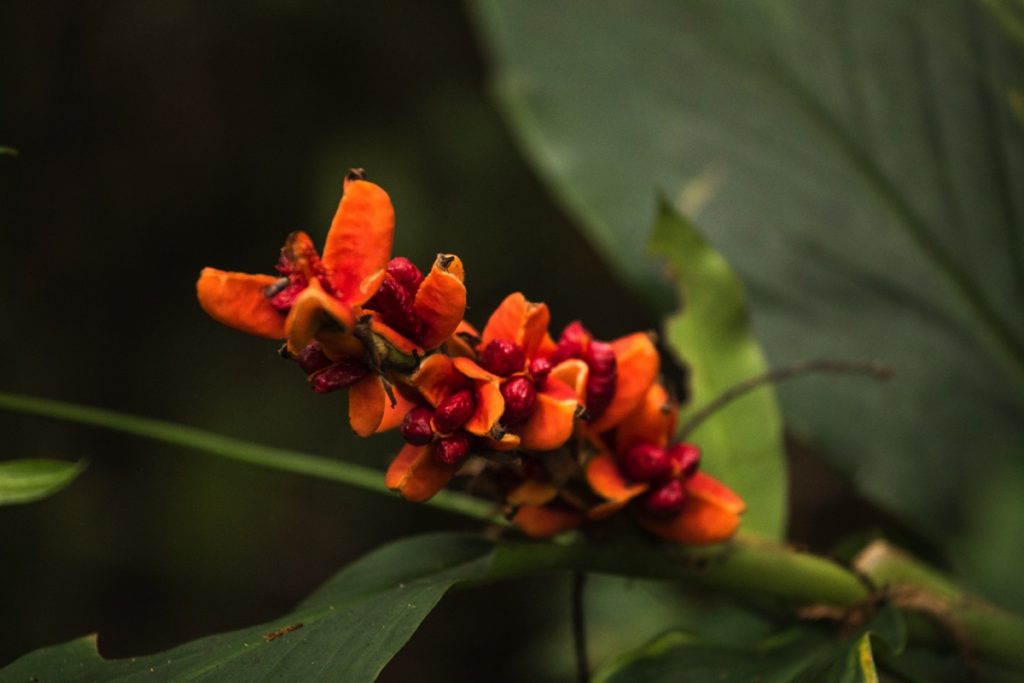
212	443
579	627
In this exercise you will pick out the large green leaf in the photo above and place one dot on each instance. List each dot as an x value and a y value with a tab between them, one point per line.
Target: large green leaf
346	631
800	654
742	443
24	481
858	162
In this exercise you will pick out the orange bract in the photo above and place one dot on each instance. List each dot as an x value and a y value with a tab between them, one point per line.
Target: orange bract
240	300
359	242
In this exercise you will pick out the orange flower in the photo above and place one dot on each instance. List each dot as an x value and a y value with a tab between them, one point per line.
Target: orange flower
672	499
338	312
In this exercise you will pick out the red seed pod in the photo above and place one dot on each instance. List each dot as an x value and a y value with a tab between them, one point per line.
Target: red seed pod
453	449
394	303
416	427
283	298
685	459
503	357
520	398
540	368
338	375
666	500
602	379
572	343
407	274
454	411
646	462
312	358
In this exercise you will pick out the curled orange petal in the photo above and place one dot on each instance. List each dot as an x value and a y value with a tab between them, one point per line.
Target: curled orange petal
396	339
606	480
489	407
462	343
369	406
441	300
315	310
360	239
532	492
710	514
551	423
652	421
239	300
544	522
416	474
507	442
437	378
518	320
573	372
472	370
637	363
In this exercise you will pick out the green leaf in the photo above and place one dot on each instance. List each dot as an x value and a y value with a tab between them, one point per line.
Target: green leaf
861	166
346	631
741	443
8	151
24	481
805	653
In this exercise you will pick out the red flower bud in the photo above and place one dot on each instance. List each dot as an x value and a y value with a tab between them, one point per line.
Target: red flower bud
312	358
338	375
453	449
603	376
407	274
454	411
540	368
520	397
666	500
503	357
416	427
685	459
646	462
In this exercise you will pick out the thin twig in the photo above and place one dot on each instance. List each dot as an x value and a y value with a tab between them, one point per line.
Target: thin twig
873	369
579	627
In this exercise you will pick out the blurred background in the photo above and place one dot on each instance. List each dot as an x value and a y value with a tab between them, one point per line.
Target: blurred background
157	138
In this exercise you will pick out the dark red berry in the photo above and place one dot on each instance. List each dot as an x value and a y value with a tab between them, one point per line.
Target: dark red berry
540	368
453	449
572	343
394	303
685	459
312	358
454	411
667	500
602	378
406	273
520	398
646	462
503	357
416	427
284	298
338	375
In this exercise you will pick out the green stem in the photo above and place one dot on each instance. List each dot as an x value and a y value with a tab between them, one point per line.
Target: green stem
235	449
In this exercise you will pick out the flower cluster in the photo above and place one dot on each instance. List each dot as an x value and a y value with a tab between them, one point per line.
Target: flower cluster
561	430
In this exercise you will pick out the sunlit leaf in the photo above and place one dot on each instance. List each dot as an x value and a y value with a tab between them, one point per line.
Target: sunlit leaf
742	443
862	166
24	481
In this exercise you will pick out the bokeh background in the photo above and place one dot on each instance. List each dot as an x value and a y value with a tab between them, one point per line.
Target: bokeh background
157	138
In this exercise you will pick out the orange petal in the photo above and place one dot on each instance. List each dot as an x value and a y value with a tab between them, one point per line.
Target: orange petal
637	363
489	407
416	474
472	370
532	492
360	239
551	423
436	378
463	342
711	514
441	300
400	342
518	320
653	421
507	442
312	312
606	480
369	407
574	373
544	522
239	300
